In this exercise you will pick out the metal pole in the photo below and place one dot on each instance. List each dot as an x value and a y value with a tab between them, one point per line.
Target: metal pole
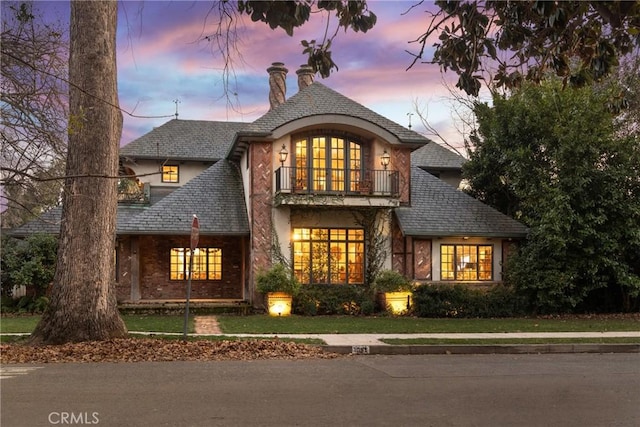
186	311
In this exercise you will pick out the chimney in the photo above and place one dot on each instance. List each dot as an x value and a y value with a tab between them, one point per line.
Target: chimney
277	84
305	76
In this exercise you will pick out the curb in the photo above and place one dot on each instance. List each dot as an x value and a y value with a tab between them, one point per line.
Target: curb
482	349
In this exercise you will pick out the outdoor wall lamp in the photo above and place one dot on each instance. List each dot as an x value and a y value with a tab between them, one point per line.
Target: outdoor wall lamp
283	155
384	159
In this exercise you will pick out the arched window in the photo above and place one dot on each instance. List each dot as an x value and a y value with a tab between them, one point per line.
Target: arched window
328	163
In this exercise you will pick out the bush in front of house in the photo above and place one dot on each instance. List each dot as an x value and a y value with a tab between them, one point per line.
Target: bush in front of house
278	278
463	301
31	263
391	281
333	299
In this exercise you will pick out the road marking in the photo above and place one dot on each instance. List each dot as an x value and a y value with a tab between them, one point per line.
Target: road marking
15	371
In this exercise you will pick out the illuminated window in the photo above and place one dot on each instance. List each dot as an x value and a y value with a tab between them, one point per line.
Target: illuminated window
328	163
466	262
328	255
207	264
170	173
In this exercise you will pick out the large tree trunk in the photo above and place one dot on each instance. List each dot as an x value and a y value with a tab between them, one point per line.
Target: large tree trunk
83	305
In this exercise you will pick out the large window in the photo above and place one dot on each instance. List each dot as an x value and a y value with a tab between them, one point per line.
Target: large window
170	173
207	264
328	255
328	163
466	262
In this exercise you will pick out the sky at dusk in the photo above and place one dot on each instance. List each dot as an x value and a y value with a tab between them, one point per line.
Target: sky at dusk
162	57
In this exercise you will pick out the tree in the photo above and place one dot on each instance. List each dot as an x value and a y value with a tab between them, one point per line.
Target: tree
33	97
526	39
289	15
551	158
83	305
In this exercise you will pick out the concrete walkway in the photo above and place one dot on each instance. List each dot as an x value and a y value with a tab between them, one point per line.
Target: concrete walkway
206	325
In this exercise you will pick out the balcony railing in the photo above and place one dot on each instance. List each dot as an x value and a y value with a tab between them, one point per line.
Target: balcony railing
130	191
355	182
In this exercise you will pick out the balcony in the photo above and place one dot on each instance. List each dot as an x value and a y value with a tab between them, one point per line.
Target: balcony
352	187
132	191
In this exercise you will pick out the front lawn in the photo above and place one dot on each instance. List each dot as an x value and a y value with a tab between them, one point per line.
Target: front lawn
263	324
134	322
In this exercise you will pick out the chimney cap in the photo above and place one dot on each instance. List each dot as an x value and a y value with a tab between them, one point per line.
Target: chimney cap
305	68
277	66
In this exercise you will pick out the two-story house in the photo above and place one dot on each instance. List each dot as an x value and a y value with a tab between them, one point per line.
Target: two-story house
319	182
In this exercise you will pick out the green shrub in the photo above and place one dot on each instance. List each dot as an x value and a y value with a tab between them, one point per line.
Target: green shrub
30	262
25	304
391	281
332	299
277	279
463	301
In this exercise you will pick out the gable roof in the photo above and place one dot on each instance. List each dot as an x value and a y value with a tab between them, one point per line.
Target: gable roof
216	196
435	156
317	99
185	140
437	209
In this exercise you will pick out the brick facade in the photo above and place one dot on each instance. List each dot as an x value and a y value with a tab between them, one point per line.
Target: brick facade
152	263
401	161
398	256
261	200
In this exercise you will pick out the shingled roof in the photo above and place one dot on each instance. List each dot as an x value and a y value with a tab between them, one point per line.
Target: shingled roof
185	140
437	209
318	99
49	222
435	156
216	196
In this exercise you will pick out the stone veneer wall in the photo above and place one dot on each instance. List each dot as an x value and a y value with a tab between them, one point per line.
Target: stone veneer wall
154	269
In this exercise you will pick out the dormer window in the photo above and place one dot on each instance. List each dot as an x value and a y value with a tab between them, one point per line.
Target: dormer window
328	163
170	173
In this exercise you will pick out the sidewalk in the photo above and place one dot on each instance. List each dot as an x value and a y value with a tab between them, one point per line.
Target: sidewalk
374	339
372	344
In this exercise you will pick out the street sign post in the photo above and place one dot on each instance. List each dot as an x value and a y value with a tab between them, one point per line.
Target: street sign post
195	236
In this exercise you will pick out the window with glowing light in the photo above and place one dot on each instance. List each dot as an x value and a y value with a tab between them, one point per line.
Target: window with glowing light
466	262
328	163
207	264
328	255
170	173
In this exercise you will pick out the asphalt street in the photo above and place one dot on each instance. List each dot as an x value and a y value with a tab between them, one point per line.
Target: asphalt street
401	390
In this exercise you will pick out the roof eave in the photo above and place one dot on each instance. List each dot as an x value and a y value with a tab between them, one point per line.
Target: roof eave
457	234
179	233
171	159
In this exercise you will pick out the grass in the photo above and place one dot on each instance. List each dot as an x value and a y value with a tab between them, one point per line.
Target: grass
438	341
363	325
263	324
151	323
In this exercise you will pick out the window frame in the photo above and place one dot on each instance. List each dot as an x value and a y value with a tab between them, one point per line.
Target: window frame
326	178
166	176
341	271
452	259
208	257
